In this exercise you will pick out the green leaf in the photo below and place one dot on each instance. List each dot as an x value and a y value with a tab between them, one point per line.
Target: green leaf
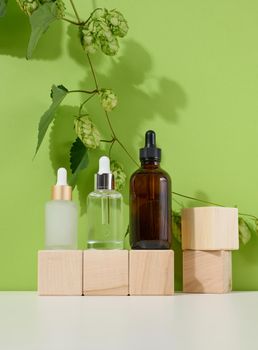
58	93
252	228
245	230
3	4
127	231
78	159
176	226
40	21
256	226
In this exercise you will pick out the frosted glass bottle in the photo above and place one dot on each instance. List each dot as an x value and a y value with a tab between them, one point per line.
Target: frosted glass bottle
104	211
61	216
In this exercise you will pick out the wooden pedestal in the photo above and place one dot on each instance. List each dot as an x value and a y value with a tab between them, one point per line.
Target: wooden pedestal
60	272
210	228
206	271
105	272
151	272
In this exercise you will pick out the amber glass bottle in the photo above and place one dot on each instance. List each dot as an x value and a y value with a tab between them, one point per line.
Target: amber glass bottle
150	200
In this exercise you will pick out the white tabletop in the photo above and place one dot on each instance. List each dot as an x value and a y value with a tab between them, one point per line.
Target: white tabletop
185	322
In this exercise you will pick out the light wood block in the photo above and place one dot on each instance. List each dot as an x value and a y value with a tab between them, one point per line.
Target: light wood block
105	272
207	271
210	228
151	272
60	272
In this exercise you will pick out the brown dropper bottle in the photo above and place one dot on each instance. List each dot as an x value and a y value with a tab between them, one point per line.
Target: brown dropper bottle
150	200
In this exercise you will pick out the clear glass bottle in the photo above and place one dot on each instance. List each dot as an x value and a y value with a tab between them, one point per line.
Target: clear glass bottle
61	216
104	211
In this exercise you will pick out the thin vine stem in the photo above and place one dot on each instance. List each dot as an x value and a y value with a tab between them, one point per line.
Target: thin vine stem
196	199
118	140
93	72
75	11
83	103
211	203
85	91
72	22
110	148
110	125
129	155
107	141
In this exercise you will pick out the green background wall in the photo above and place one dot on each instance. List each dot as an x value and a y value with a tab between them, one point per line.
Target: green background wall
188	69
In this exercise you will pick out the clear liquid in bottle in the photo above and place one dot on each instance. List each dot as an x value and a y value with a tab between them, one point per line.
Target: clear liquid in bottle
104	211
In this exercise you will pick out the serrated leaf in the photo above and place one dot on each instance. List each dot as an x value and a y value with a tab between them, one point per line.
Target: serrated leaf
78	159
176	226
252	229
58	93
40	21
3	4
244	230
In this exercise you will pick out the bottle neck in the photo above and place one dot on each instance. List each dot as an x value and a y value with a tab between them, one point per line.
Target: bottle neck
61	193
104	181
150	164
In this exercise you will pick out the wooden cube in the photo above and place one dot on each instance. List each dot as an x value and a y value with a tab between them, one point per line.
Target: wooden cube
105	272
207	271
210	228
60	272
151	272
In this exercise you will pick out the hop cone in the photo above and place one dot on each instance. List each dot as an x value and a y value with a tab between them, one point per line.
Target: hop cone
108	100
60	7
87	132
99	13
119	174
88	41
117	23
29	6
110	47
101	31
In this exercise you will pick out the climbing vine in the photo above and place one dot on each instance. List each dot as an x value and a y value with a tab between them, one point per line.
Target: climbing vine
101	31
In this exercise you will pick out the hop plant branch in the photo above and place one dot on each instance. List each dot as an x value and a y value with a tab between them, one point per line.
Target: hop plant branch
117	140
100	30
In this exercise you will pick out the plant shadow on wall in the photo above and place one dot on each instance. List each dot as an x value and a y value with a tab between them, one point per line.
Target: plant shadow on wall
128	74
136	107
15	32
61	138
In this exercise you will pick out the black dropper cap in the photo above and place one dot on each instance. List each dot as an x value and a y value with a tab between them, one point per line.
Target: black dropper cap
150	151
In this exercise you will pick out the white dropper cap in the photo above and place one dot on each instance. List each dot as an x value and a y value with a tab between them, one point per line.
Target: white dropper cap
104	165
61	177
104	179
